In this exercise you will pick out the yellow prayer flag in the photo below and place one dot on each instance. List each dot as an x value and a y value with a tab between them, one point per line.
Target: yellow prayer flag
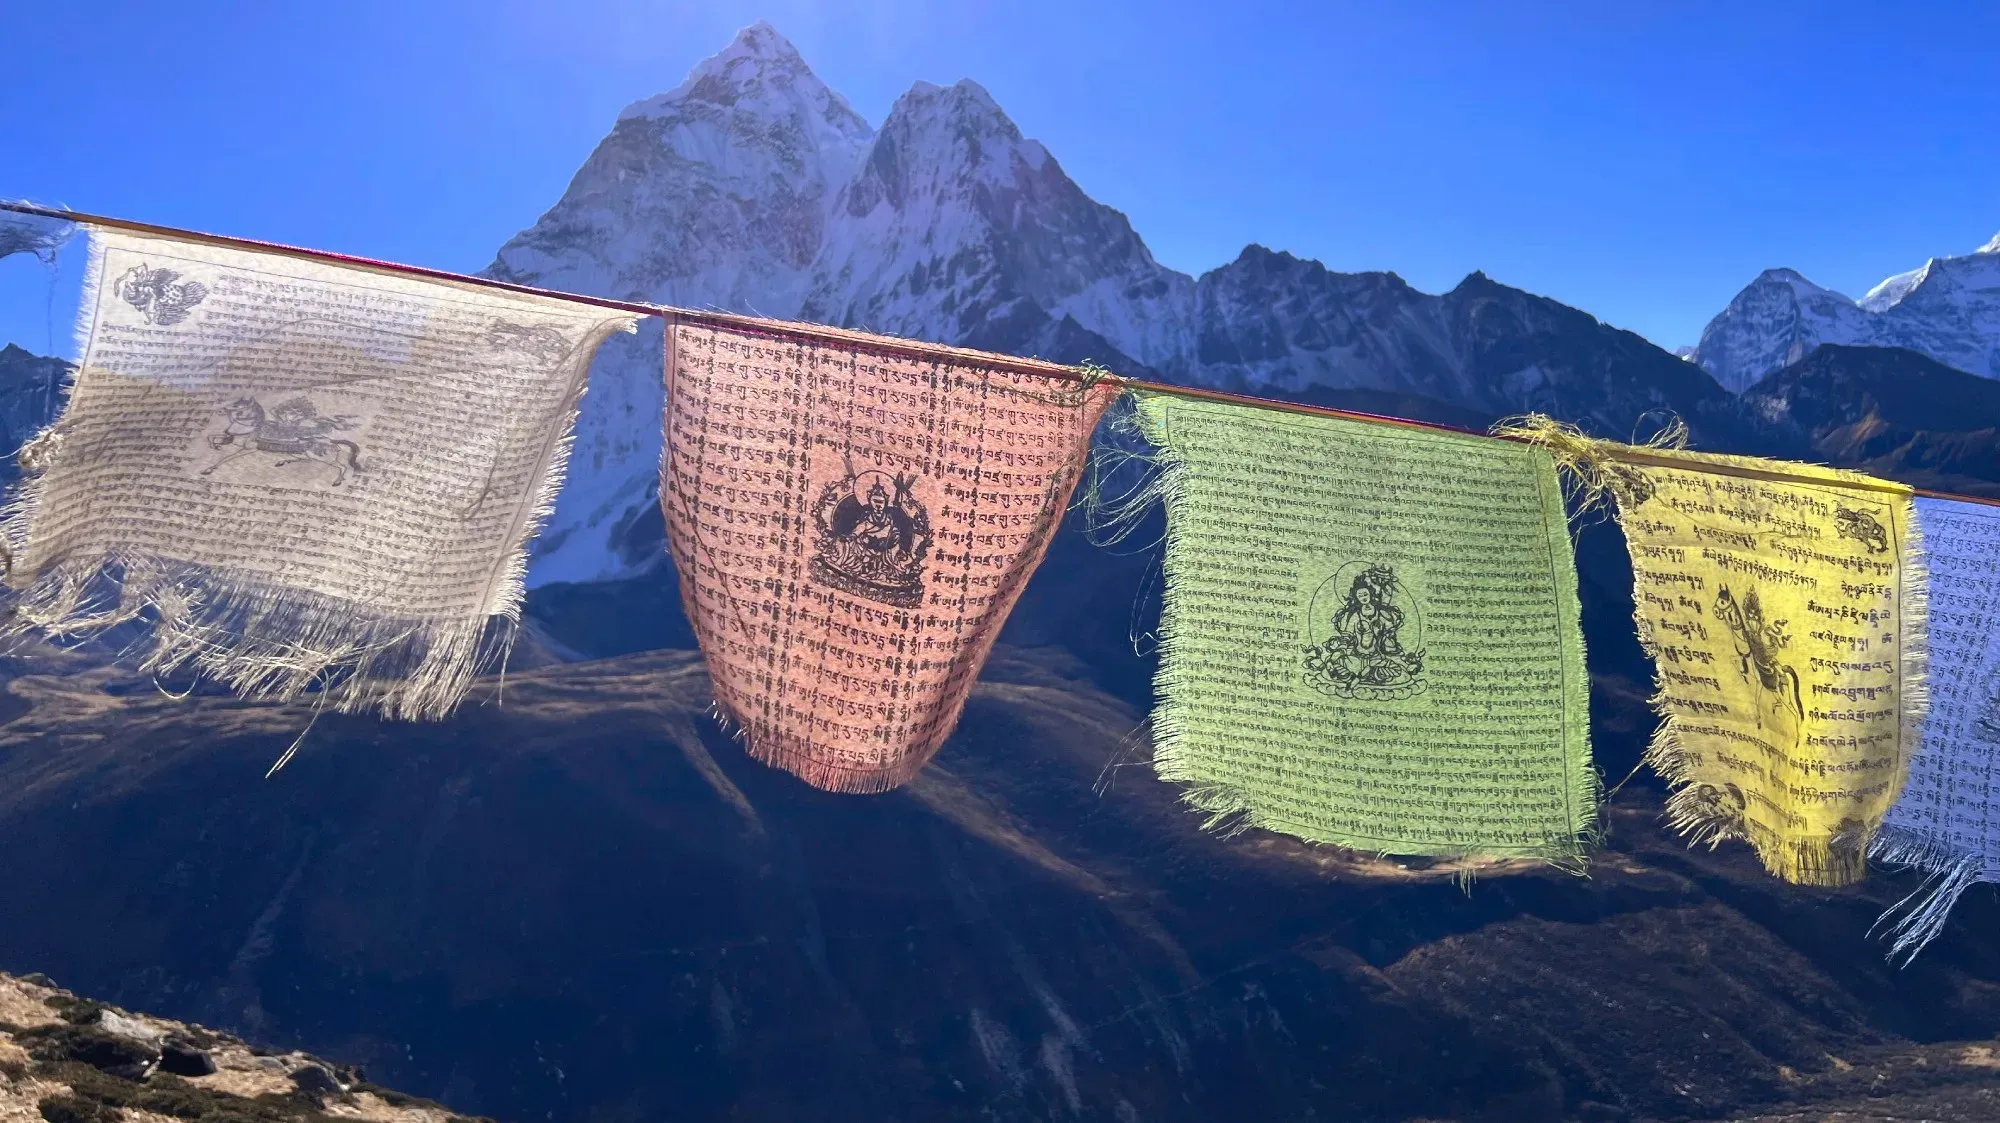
1783	606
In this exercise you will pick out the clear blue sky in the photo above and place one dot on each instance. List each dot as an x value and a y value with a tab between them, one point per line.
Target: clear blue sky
1639	160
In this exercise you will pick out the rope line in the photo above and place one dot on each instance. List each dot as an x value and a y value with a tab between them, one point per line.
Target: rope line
786	329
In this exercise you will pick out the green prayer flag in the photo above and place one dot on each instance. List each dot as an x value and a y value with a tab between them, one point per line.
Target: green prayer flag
1370	635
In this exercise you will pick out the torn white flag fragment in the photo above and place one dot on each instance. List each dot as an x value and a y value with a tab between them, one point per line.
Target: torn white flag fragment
35	234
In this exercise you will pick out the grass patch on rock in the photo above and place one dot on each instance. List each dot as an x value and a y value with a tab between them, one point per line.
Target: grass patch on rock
75	1109
87	1045
76	1011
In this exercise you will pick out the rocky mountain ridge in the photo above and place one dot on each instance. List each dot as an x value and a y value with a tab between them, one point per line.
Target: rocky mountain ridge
1889	411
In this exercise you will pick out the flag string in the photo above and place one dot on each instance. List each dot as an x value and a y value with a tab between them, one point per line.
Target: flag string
890	344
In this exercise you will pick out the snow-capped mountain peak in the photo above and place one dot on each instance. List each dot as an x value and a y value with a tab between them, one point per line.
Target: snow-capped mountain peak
1802	288
964	94
1777	319
753	187
957	227
716	193
935	137
760	68
1948	309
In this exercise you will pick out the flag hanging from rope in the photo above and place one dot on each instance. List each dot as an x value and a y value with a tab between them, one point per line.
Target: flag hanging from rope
1946	822
302	474
1370	635
1783	607
852	519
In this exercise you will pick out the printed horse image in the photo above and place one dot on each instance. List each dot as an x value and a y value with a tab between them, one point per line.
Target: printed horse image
294	431
1757	645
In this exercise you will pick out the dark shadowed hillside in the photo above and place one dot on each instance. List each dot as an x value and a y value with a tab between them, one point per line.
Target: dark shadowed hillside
30	391
1890	411
583	903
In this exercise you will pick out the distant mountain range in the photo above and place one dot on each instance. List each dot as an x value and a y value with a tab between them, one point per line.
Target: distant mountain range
753	187
1948	310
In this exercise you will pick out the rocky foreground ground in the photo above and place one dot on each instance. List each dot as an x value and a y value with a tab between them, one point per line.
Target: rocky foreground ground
68	1059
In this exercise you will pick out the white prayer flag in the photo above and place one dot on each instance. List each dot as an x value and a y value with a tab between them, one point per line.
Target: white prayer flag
299	472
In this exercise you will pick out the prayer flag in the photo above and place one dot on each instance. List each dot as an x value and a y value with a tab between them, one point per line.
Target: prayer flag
1946	821
1782	606
302	473
853	517
1369	635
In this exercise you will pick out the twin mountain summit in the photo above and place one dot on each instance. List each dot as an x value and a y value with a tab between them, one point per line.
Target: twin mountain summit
755	188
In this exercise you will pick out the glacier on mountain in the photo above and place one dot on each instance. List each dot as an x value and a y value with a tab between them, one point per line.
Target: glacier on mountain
1893	289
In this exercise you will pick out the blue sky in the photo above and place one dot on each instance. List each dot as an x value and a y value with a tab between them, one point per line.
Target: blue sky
1641	161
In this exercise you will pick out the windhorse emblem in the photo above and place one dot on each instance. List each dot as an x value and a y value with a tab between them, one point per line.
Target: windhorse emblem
293	432
1758	642
874	535
159	294
1372	645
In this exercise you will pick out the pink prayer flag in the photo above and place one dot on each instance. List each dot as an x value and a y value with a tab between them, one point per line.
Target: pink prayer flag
853	518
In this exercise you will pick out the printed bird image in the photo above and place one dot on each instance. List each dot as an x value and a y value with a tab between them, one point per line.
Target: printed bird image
159	294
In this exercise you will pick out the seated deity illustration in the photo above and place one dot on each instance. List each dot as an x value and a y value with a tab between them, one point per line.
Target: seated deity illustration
1365	636
873	538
